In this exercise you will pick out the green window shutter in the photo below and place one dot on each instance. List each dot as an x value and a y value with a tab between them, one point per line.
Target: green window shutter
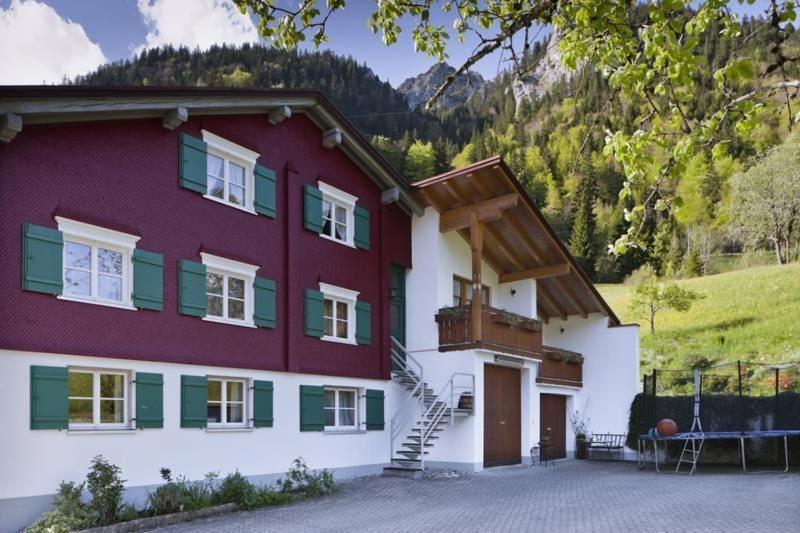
194	401
314	323
361	236
264	313
194	164
49	393
42	259
374	409
265	191
312	201
148	280
363	323
149	400
312	408
262	404
191	288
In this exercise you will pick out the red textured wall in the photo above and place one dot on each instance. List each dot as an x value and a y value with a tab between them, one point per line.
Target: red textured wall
124	174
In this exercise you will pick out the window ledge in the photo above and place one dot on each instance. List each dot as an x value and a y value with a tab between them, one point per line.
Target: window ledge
96	302
328	338
101	431
343	243
220	320
344	432
229	204
243	429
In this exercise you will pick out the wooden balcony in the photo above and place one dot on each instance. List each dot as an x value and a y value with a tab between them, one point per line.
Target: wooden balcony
560	367
500	331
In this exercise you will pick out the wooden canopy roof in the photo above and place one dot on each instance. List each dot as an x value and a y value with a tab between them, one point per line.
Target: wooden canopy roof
518	243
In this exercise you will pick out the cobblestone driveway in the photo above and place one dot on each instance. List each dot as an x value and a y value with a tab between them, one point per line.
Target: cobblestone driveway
571	496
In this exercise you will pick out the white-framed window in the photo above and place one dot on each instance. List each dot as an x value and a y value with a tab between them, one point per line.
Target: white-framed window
98	399
338	218
227	402
339	313
97	264
229	290
341	409
230	169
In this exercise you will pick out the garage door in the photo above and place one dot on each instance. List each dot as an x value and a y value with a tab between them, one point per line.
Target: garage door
502	434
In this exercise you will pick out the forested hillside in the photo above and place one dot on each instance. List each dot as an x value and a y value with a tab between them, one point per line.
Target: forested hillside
552	135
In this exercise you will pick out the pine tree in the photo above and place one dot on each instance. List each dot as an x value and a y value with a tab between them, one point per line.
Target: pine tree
583	240
694	262
441	159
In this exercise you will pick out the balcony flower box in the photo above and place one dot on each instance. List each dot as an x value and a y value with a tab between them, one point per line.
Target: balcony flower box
565	356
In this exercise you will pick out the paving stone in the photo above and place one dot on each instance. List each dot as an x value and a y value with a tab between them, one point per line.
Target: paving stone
572	496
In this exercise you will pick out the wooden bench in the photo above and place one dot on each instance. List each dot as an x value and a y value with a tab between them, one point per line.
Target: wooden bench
608	442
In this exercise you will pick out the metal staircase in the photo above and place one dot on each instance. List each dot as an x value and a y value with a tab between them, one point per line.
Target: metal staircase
423	414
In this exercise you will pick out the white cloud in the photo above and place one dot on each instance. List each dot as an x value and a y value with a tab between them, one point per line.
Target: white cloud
195	23
38	46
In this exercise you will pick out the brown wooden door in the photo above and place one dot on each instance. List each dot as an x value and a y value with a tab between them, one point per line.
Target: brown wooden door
553	421
502	430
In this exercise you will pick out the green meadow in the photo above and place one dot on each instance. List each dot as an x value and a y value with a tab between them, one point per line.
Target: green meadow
749	315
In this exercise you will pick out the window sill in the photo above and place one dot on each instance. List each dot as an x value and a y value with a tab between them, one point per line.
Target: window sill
328	338
222	429
343	243
344	432
96	302
220	320
101	431
235	206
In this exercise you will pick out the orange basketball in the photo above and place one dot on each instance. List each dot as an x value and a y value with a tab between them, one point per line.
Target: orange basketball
667	427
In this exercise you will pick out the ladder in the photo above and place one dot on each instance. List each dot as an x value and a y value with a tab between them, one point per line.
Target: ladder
693	445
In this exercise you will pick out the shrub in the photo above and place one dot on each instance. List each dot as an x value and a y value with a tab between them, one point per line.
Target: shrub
301	481
235	488
70	513
180	494
106	487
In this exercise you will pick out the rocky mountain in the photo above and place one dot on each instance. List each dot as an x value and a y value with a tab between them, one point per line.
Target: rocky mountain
548	71
417	90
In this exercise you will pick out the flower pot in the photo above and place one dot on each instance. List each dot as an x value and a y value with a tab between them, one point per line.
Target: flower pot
580	448
465	401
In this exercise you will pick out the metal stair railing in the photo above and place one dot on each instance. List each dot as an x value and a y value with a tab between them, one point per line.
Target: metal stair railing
439	409
414	371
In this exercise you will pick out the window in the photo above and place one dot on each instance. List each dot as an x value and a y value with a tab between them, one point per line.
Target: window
338	312
462	292
337	214
98	399
97	264
226	402
341	409
230	170
229	290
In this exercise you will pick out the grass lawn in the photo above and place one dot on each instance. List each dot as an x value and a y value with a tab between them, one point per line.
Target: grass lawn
752	315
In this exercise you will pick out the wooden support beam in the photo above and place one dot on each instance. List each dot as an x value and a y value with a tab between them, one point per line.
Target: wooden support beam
476	244
279	114
548	271
544	296
486	211
175	118
10	125
332	137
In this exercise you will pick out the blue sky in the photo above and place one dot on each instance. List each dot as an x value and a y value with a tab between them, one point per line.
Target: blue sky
44	40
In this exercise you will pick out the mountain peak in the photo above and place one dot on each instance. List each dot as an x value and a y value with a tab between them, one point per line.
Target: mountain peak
419	89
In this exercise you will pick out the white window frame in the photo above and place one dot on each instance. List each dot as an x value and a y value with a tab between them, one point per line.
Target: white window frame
230	268
348	202
356	408
348	297
231	152
126	399
224	401
99	237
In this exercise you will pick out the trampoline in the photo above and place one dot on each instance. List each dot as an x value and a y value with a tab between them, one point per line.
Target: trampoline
737	401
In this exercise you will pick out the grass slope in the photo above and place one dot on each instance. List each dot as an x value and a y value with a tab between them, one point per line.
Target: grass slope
752	315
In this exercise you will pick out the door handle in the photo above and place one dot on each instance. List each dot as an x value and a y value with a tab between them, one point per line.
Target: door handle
502	422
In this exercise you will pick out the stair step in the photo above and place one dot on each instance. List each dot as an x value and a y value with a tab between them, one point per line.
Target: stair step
417	438
405	461
411	454
417	430
403	471
415	445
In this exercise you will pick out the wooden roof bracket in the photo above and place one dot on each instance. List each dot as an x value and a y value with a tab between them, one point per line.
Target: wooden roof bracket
486	211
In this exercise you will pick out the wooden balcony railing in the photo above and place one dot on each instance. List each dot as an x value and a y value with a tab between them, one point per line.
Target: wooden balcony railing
560	367
500	331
